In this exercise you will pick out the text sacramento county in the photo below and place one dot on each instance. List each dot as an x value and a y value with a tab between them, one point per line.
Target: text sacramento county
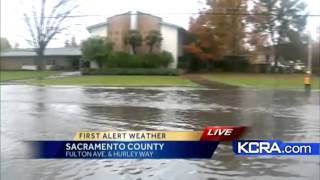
114	146
112	149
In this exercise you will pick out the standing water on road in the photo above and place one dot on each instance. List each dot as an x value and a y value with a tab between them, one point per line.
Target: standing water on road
41	113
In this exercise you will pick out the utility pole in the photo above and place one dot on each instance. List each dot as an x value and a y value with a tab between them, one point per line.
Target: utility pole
308	75
309	69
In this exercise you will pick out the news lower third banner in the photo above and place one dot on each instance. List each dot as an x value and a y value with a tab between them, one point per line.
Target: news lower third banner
137	144
164	145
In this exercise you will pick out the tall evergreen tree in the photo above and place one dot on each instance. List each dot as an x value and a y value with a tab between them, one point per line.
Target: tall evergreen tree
73	42
278	19
5	44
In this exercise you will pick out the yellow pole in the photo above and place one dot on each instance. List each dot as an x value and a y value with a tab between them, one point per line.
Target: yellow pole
307	81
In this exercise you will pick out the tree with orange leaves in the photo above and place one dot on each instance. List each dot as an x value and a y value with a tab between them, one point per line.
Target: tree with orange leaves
219	30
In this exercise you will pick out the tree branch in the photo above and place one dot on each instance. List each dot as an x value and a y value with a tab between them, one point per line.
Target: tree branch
42	29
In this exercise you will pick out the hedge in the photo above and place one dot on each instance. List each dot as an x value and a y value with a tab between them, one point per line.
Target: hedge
227	64
151	60
131	71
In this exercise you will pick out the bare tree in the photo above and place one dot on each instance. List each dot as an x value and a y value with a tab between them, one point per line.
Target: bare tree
43	24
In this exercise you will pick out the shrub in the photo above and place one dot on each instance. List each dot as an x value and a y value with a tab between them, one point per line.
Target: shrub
151	60
190	63
131	71
232	63
227	63
96	48
166	58
118	59
62	68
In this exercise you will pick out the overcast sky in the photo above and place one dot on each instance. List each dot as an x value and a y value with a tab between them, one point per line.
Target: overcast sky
173	11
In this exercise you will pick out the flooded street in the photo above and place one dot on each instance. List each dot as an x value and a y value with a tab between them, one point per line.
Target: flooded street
57	113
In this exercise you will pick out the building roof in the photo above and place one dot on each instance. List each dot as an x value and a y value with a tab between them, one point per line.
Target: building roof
97	26
103	24
171	25
48	52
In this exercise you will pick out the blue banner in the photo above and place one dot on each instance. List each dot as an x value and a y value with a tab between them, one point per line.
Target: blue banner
274	147
122	149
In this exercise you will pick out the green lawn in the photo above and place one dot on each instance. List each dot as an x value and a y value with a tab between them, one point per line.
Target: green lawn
118	81
268	81
18	75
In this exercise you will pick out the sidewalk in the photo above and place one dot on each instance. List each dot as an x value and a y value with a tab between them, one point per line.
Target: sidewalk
198	79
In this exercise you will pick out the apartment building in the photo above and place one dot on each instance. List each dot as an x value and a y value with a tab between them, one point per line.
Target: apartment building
117	26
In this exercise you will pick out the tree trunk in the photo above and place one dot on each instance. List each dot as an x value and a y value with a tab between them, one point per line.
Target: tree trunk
100	63
134	50
40	60
276	55
150	48
274	68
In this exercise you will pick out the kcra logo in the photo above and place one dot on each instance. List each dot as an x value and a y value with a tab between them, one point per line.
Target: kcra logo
258	147
274	147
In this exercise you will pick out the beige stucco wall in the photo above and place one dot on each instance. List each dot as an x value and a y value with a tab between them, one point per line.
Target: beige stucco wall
100	31
170	43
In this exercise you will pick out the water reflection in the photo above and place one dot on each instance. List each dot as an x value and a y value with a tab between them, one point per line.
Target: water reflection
31	112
